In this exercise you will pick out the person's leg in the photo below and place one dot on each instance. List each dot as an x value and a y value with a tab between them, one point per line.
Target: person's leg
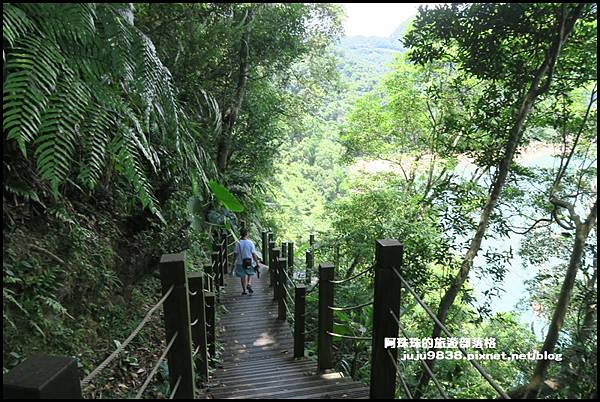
244	280
249	287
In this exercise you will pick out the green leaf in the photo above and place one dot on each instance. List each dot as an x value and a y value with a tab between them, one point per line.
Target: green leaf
194	205
37	327
197	223
341	316
340	329
225	197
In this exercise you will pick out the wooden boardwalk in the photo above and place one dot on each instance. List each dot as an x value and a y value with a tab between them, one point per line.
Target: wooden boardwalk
258	353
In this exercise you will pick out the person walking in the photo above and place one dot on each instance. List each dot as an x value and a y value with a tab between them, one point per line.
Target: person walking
245	260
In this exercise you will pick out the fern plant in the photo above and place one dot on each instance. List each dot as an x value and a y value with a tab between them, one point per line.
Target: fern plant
84	87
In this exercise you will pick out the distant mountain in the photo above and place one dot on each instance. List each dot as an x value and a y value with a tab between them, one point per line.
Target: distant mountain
399	31
363	59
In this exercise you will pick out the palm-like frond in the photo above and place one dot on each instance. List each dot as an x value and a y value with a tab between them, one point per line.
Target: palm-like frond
126	151
95	130
59	131
34	66
82	77
15	23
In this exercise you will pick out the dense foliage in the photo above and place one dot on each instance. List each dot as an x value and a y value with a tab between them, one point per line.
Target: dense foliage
135	130
115	122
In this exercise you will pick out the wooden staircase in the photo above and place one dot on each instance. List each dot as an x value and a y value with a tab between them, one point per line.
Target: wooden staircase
258	357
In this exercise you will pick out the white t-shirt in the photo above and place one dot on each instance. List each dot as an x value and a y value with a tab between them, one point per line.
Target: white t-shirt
244	249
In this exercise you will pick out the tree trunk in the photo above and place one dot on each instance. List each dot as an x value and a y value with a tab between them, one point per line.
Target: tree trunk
552	386
231	114
357	259
581	233
565	26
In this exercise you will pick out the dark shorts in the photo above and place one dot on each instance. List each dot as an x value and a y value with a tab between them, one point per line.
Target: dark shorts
240	271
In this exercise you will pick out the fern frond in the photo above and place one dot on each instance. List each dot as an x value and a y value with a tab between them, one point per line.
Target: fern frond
67	23
127	155
34	65
120	40
96	129
138	136
7	294
15	23
148	75
59	130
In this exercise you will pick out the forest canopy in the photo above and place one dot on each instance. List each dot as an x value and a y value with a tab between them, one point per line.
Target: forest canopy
133	130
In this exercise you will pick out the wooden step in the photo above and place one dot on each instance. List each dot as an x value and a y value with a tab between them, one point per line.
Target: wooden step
257	357
267	380
262	362
306	390
257	372
264	388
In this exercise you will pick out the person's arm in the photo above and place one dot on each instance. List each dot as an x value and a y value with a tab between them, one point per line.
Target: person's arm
254	255
236	252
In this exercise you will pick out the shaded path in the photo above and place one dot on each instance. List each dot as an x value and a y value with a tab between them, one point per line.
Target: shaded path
258	353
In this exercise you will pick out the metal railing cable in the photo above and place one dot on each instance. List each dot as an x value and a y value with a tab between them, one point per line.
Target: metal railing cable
156	366
399	373
175	388
358	338
287	308
85	382
196	351
425	366
311	331
477	366
194	322
370	269
290	279
313	287
350	307
289	295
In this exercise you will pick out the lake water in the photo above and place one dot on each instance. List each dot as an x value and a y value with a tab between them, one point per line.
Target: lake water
516	273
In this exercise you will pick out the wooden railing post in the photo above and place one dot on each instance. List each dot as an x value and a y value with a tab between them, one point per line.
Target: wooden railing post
275	252
281	283
325	341
225	253
284	252
43	377
271	262
265	247
197	311
209	305
299	320
388	255
177	321
309	266
217	256
216	272
208	270
290	258
270	237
